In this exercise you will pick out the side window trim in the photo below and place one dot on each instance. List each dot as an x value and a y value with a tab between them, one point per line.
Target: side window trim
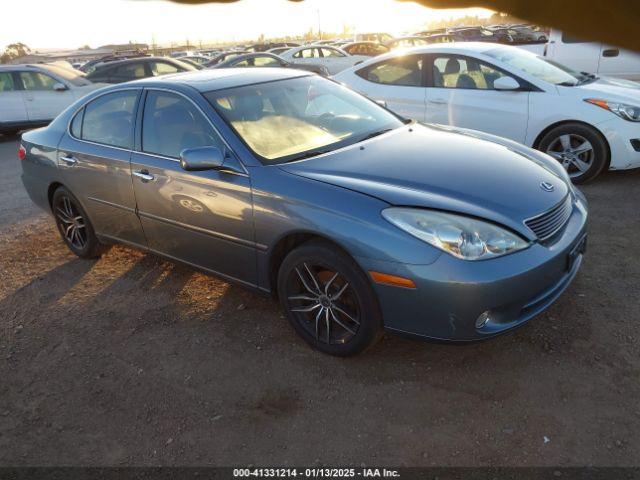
82	109
140	115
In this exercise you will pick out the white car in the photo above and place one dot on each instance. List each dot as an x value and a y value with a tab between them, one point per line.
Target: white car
585	122
33	95
333	58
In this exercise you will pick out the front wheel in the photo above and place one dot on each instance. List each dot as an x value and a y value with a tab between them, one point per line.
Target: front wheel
580	149
74	225
329	300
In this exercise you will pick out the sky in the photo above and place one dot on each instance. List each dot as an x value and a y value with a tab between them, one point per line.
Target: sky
61	24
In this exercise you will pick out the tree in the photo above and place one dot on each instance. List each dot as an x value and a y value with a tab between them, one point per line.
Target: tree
14	50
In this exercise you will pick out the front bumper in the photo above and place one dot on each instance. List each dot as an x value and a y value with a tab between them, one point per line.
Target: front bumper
451	294
619	134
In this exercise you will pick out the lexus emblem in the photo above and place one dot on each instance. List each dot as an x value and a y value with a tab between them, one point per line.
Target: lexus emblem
547	187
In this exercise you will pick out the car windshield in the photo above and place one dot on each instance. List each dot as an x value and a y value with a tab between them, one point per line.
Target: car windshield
75	77
291	119
539	67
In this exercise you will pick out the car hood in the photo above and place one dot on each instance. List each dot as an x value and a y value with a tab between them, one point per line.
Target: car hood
445	169
606	88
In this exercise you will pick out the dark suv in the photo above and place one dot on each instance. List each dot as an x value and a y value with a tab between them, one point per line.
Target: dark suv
136	68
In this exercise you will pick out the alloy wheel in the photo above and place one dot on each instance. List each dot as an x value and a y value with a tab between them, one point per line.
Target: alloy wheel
324	303
574	152
71	222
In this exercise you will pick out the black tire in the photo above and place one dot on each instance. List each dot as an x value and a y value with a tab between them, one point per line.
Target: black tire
74	225
592	162
345	302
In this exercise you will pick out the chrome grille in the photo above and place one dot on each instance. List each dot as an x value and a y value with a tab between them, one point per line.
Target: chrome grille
548	223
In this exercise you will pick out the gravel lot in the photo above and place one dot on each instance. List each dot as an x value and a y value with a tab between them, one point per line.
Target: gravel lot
131	360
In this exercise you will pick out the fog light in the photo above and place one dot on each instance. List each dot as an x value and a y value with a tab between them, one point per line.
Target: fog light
483	319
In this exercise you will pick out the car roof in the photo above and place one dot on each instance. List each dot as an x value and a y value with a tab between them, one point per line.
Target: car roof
452	47
221	78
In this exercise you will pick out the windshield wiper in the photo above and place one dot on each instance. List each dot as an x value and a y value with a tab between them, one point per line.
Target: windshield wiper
309	154
374	134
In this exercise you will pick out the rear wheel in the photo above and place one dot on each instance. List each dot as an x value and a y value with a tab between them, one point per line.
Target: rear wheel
329	300
74	225
580	149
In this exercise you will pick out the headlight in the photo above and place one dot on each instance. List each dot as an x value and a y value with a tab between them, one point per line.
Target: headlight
462	237
623	110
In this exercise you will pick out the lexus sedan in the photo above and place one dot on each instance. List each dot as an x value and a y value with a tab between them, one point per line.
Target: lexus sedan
588	124
288	183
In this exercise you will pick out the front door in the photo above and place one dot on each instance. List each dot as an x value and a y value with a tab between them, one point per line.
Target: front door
203	218
42	101
462	95
94	163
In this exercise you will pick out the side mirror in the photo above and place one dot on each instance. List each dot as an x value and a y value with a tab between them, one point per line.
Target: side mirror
201	158
506	83
60	87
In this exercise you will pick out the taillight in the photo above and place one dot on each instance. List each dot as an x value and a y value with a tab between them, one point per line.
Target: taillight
22	152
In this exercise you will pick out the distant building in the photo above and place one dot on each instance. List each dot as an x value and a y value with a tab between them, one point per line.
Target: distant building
82	55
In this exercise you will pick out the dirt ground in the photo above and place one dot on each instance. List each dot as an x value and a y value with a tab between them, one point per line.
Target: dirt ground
131	360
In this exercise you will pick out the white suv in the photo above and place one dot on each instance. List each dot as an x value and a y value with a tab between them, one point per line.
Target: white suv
33	95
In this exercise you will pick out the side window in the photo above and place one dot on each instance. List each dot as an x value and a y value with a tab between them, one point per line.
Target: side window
162	68
6	82
37	81
265	62
131	71
330	52
307	53
172	123
466	73
243	63
402	71
109	119
76	124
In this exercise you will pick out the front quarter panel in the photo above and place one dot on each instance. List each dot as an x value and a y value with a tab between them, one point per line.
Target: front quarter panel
286	204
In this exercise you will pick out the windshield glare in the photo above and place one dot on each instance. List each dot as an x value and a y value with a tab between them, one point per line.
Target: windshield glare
284	120
536	66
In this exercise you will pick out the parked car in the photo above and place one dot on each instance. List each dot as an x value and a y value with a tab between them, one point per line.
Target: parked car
278	50
32	95
137	68
334	59
379	37
405	42
194	64
265	59
367	49
199	59
287	183
91	65
587	56
587	123
224	56
478	34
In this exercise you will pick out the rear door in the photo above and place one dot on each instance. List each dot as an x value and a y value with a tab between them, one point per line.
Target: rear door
202	218
399	82
42	101
94	161
461	94
12	104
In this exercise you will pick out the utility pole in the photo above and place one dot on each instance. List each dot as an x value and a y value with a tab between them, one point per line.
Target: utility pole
319	27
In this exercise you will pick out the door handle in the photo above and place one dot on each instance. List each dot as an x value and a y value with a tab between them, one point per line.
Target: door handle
438	101
143	175
611	52
69	160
